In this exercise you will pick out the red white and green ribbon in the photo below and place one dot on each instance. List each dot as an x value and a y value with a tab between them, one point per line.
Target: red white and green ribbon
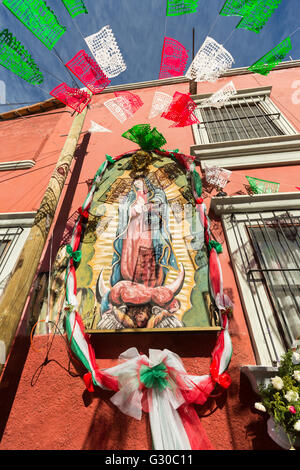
174	423
221	355
78	340
159	385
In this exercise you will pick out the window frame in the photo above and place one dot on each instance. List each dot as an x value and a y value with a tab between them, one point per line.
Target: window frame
247	96
17	165
23	222
245	119
267	344
276	150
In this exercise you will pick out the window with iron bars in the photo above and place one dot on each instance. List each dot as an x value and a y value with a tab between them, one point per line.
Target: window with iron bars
241	118
14	230
267	264
9	237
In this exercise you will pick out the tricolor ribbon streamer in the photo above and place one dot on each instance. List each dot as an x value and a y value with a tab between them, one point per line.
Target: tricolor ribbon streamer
158	384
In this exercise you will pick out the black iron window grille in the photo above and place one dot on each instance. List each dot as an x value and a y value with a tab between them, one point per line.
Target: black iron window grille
239	119
271	257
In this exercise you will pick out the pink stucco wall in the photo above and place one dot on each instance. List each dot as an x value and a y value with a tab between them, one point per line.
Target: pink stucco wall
57	413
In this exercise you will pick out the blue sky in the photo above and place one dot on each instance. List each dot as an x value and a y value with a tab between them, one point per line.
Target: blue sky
139	27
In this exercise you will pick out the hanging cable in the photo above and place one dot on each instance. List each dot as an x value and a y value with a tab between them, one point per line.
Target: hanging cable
214	24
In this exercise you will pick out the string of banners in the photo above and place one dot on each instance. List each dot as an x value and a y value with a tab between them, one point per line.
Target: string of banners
255	14
211	60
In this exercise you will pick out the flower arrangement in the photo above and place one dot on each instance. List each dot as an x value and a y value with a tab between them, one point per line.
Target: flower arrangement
281	397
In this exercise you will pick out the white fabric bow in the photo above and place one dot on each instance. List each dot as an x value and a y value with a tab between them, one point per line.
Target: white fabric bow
167	428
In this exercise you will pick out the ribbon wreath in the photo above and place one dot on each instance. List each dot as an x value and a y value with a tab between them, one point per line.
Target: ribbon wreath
158	384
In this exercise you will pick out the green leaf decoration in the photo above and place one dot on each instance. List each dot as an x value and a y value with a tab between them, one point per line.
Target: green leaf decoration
154	377
146	138
264	65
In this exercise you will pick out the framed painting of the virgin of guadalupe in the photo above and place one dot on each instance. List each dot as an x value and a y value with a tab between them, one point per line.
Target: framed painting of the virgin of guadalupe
143	256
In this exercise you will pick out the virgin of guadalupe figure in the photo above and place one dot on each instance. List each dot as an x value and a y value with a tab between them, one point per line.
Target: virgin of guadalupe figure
143	237
143	255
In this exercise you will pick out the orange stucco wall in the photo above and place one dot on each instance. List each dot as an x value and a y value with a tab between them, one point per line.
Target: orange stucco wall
57	412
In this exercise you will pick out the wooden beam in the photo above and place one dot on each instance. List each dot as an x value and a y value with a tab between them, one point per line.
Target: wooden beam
16	292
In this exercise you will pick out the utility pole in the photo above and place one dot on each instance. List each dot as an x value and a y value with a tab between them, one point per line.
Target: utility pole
14	297
193	84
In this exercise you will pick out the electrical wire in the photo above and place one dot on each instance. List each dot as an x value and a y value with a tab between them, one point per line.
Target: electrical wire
213	24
